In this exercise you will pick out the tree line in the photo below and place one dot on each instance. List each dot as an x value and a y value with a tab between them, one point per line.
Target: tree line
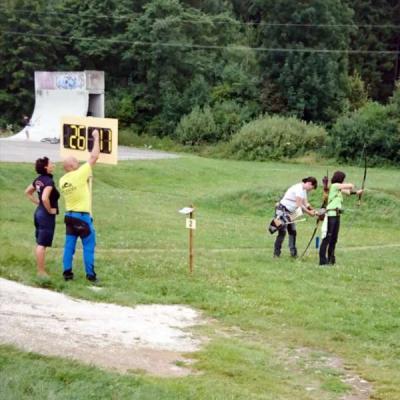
215	62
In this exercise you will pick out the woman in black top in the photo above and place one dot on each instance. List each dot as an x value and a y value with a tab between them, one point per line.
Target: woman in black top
46	211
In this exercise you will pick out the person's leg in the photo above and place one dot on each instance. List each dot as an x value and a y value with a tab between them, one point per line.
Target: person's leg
279	240
69	251
45	226
292	239
334	239
326	242
322	251
40	260
89	245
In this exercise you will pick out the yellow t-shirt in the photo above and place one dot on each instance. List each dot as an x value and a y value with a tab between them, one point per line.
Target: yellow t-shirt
74	187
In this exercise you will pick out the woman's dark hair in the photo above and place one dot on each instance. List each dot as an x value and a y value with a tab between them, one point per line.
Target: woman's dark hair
312	180
41	164
338	177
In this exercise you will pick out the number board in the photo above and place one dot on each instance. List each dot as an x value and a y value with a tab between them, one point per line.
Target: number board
76	138
190	223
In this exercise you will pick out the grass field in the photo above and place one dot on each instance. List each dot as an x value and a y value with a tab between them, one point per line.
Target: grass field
274	321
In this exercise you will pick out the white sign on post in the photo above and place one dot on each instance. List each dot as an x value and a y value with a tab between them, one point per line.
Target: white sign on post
186	210
190	223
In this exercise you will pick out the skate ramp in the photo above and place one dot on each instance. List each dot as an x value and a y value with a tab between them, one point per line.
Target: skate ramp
58	94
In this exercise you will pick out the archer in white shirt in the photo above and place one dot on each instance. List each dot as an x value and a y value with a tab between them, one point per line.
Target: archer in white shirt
294	198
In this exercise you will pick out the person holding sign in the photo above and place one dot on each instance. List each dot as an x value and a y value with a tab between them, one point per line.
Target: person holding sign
76	189
294	198
46	211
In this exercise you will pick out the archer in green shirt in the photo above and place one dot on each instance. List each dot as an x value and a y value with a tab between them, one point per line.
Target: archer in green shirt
331	223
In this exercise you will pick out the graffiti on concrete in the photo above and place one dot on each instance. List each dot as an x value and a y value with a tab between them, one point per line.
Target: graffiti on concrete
70	81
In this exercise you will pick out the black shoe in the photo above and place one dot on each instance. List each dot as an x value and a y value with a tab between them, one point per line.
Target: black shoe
324	264
92	278
68	275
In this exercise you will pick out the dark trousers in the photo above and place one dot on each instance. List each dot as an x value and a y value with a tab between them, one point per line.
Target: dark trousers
328	245
291	229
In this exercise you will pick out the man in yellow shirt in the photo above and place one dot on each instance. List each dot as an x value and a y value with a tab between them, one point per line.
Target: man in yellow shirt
74	186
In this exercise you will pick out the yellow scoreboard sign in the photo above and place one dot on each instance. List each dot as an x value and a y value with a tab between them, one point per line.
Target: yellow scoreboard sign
76	138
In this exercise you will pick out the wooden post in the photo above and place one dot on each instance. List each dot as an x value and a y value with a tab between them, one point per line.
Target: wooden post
191	225
191	255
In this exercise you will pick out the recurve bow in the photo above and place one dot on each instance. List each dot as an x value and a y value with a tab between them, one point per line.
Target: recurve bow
365	175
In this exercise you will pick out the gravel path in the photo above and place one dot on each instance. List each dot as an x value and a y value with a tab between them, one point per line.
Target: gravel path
151	338
25	151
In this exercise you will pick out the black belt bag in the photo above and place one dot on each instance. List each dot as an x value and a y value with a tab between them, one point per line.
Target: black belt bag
76	227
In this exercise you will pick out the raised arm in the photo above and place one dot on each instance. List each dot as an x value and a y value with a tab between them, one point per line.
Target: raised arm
94	155
348	188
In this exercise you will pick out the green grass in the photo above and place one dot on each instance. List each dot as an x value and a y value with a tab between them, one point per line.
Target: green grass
262	308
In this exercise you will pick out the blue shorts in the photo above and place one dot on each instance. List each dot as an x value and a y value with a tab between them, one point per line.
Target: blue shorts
45	225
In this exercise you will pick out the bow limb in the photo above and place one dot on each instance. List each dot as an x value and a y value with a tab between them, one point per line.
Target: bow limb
310	241
365	176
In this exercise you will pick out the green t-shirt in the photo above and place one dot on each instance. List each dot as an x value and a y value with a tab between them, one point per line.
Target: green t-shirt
335	199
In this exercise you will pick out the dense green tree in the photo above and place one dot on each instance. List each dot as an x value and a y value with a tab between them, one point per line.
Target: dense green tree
163	58
299	79
358	94
176	73
27	43
378	29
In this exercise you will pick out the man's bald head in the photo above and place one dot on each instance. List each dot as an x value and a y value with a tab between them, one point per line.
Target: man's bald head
71	164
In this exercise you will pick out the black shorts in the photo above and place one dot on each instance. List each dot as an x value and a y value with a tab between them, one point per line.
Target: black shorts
45	225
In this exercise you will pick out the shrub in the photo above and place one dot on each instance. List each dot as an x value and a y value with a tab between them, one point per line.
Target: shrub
373	125
197	127
276	138
230	116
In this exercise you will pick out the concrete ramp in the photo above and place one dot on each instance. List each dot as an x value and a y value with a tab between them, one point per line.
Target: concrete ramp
59	94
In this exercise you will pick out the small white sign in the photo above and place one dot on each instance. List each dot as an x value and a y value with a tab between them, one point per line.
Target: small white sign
190	223
186	210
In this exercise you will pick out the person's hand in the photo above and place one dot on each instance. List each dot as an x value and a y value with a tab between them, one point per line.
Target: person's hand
53	211
360	191
312	212
95	134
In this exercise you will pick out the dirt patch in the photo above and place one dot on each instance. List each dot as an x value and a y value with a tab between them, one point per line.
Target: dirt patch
151	338
310	366
308	359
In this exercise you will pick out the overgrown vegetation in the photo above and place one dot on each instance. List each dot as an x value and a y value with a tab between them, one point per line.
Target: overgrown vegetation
375	126
197	72
275	138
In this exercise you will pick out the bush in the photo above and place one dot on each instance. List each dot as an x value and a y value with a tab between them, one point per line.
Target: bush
375	126
230	116
198	127
274	138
